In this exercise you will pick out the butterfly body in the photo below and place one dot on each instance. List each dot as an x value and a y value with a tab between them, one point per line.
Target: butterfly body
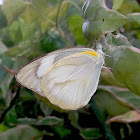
68	78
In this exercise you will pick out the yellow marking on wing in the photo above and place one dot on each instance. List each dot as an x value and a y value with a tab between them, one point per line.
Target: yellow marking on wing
93	53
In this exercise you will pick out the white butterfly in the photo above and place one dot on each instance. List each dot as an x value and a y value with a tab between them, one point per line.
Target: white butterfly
68	78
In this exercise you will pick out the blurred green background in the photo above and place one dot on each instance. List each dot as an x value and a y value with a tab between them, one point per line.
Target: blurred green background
31	28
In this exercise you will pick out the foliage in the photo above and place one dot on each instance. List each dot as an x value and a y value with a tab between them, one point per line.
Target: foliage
31	28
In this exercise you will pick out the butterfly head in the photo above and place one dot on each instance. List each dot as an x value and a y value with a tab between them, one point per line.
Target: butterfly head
99	51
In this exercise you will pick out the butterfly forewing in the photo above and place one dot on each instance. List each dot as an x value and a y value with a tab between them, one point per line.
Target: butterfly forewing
30	75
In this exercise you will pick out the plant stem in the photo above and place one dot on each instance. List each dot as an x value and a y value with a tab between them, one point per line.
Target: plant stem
10	106
103	127
57	17
57	21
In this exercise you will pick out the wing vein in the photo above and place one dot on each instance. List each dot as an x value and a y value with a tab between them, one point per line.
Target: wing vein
62	95
77	93
26	75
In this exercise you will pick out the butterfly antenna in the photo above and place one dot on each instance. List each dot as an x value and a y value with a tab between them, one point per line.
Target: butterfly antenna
107	55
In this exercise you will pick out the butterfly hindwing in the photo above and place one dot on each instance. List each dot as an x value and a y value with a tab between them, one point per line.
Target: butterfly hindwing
71	81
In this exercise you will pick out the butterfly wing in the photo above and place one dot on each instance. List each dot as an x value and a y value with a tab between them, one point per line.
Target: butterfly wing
71	81
30	75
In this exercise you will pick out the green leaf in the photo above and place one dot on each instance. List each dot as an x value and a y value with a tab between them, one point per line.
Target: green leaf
52	41
29	11
27	49
124	95
107	78
51	121
50	21
41	6
3	128
29	32
135	17
45	109
3	20
28	121
30	15
91	133
117	40
94	13
5	84
75	23
5	61
21	132
63	132
11	117
129	117
18	50
117	4
73	117
128	7
14	32
20	31
125	62
110	106
12	10
26	96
